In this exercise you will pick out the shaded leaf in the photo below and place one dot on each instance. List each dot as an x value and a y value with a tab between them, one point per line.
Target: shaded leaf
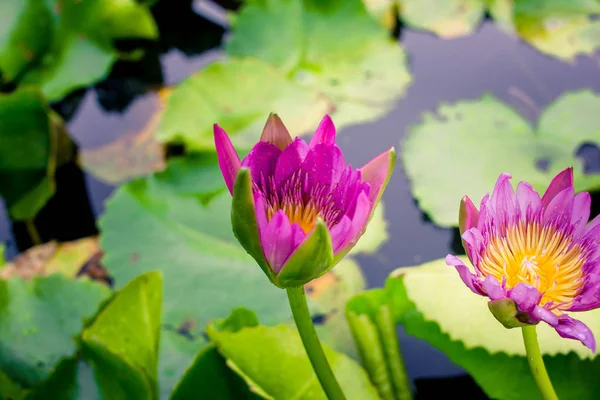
464	137
39	320
274	363
467	332
122	343
446	18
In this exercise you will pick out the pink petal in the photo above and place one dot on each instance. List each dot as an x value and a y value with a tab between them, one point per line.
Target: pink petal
290	161
468	215
377	171
262	161
474	245
581	214
503	200
529	201
467	277
493	288
560	209
260	210
526	297
560	182
325	133
360	219
276	133
571	328
324	165
278	240
542	314
229	161
340	233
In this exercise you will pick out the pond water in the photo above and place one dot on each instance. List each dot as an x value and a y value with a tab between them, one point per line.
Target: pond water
488	61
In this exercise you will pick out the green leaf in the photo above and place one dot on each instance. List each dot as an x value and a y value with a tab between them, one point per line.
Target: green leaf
363	72
238	95
374	331
29	138
274	363
62	46
9	389
464	137
446	18
122	342
472	338
560	28
39	320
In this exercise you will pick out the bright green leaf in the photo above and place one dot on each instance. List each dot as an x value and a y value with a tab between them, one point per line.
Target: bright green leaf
39	320
446	18
468	333
561	28
122	342
238	95
274	363
463	148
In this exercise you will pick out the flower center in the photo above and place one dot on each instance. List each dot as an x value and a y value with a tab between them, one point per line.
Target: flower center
542	257
302	205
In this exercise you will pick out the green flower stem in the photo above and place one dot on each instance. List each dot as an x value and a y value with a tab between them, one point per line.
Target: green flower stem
536	363
312	345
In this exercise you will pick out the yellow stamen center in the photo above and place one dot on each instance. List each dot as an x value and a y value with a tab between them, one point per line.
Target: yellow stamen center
537	255
303	215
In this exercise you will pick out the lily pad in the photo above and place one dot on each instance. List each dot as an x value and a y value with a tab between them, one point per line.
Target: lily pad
39	320
463	148
446	18
273	362
362	72
560	28
30	136
62	46
239	95
183	227
467	332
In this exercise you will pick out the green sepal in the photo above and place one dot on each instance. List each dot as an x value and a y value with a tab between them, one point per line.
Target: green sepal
243	220
507	313
311	259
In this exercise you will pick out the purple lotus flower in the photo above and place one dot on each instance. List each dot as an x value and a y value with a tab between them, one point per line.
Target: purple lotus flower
534	253
297	207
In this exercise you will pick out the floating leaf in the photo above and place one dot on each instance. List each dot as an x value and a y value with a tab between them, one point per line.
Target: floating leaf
274	363
62	46
39	320
446	18
183	227
31	140
468	333
238	95
561	28
362	72
122	342
384	11
463	148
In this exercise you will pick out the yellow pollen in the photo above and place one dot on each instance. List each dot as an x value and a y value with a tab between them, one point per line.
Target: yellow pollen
539	256
303	215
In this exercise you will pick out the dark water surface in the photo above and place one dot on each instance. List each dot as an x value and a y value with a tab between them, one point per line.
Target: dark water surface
443	71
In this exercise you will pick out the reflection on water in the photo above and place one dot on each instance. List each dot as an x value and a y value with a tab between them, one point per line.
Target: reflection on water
443	71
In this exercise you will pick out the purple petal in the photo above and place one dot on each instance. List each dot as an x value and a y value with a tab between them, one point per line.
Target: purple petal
467	277
361	216
468	215
504	201
340	233
279	240
260	210
581	214
483	213
571	328
529	201
560	209
377	171
290	160
262	161
562	181
323	165
541	314
592	225
493	288
229	161
589	295
325	133
526	297
276	133
474	245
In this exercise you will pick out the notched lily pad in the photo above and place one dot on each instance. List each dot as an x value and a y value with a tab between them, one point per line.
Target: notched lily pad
461	149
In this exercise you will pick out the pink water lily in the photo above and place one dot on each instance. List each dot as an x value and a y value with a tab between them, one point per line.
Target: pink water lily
298	208
538	252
